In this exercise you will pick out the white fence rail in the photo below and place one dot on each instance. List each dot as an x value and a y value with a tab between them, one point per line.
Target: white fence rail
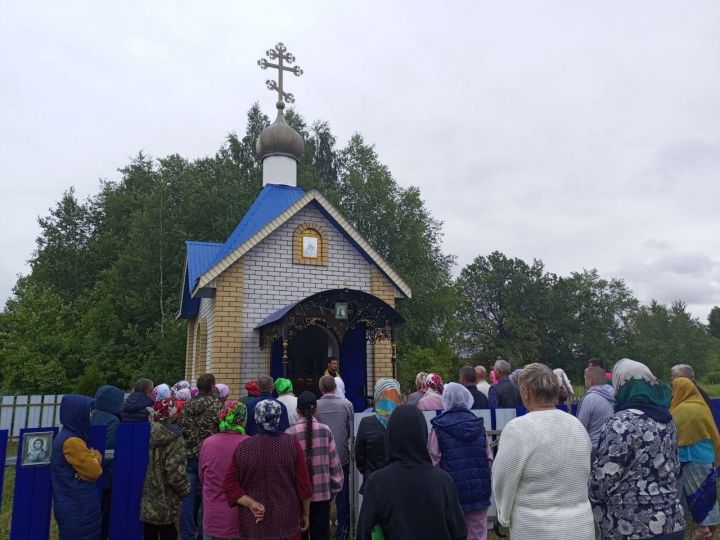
20	412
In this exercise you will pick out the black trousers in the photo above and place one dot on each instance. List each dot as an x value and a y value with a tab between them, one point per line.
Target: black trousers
159	532
319	521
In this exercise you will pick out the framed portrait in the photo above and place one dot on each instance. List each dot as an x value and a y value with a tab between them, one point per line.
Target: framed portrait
37	447
341	311
310	247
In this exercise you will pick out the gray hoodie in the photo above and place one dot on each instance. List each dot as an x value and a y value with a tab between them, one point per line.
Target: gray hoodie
595	408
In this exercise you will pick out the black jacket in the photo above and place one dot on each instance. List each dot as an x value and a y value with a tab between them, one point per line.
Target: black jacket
370	448
135	408
409	498
480	400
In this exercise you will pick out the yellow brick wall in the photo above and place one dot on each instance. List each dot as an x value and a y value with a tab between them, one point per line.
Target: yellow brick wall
381	287
201	349
226	327
189	348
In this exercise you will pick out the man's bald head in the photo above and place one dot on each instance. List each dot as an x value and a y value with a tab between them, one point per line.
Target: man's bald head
594	376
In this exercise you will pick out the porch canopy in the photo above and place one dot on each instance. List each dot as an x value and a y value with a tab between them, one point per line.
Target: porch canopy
339	310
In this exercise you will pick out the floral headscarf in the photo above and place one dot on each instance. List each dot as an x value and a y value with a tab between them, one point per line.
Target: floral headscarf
165	409
194	392
233	417
387	397
223	391
283	385
183	394
252	388
267	416
434	383
161	391
180	385
515	376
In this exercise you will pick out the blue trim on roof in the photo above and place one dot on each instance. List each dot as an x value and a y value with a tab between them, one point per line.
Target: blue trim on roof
277	315
272	201
189	307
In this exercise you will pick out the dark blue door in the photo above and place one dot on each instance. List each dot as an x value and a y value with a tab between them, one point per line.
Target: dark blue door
353	367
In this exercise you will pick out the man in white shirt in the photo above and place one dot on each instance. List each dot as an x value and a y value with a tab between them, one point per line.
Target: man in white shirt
482	384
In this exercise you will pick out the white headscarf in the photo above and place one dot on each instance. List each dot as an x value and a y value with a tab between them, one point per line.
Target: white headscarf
456	396
162	391
564	381
339	388
626	369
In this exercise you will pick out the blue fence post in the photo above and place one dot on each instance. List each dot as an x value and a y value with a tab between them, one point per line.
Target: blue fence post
131	458
3	457
32	499
97	441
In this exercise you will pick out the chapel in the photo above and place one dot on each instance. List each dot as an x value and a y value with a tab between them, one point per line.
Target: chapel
294	284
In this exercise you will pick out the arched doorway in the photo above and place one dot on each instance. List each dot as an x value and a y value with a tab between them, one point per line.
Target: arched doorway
308	351
339	322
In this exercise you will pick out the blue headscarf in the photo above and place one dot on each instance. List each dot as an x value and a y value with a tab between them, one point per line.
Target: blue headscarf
75	415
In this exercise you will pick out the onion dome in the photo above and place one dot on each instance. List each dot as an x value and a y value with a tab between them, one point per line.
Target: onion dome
279	139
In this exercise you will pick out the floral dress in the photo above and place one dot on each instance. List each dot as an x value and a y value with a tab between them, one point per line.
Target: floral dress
633	479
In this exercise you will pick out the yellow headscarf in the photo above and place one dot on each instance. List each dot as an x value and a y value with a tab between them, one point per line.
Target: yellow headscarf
692	416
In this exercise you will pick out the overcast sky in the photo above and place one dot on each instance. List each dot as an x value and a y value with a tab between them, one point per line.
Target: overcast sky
585	134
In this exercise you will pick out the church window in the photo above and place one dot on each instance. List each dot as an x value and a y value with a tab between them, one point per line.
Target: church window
310	246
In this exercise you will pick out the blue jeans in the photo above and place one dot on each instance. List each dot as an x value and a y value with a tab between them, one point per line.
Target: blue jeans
342	502
188	528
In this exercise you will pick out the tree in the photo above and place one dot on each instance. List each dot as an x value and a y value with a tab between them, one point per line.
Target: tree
714	322
502	307
662	336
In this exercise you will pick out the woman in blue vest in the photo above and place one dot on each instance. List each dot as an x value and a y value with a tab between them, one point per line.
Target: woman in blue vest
458	444
75	468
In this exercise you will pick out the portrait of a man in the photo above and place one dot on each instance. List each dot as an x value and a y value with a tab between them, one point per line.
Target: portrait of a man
36	448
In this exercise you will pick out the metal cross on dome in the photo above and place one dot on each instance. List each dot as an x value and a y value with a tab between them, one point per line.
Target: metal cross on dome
280	54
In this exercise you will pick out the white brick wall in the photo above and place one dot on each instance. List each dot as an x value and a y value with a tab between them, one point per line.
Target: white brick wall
272	281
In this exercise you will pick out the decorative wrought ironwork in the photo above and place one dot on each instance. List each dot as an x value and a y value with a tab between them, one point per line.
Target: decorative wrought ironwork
280	54
376	316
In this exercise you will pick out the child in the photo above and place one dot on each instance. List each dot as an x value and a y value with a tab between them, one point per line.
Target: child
75	468
165	480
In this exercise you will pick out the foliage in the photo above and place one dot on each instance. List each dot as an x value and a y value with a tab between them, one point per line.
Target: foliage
100	302
439	359
663	336
714	322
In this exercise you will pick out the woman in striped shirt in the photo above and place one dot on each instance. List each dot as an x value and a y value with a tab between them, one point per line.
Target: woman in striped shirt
326	474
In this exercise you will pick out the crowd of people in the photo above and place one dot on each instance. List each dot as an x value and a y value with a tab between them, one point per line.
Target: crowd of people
638	457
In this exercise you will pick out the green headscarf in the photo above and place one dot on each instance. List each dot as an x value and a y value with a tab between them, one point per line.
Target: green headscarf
283	385
233	417
635	383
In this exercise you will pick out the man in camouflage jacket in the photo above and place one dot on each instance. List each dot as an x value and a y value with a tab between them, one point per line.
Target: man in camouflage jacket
199	420
166	482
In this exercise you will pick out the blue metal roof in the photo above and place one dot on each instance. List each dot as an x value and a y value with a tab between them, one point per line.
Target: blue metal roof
199	258
272	201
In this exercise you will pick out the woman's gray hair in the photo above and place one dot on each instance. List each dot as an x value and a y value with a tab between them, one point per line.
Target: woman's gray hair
540	381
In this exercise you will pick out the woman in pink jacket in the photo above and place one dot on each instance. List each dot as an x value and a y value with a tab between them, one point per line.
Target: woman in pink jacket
220	521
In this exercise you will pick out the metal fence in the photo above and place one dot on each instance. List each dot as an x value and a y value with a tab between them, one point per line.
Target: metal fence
22	412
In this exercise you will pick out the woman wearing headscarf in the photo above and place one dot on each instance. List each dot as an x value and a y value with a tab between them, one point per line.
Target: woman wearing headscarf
409	498
432	400
284	388
633	482
161	391
321	456
165	480
699	446
542	465
219	519
74	469
268	480
458	444
223	391
566	390
370	448
182	396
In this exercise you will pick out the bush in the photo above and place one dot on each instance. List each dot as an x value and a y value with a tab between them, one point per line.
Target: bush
712	378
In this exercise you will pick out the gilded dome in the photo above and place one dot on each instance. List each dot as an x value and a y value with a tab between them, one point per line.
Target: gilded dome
279	139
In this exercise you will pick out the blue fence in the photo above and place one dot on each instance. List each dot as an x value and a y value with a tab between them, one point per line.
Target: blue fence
32	497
